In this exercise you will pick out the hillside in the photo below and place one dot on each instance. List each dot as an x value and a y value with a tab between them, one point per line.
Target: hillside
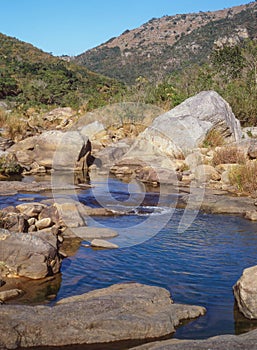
163	45
30	77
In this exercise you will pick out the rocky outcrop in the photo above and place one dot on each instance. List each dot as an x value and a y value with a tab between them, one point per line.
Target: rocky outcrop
26	255
186	126
174	142
120	312
246	341
52	149
245	291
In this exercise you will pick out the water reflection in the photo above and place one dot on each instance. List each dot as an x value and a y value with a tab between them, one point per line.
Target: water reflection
35	291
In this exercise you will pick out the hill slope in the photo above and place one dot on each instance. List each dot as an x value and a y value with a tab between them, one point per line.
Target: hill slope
162	45
31	77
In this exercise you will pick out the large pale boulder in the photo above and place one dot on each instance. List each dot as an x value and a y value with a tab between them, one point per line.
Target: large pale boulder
185	127
52	149
120	312
26	255
245	291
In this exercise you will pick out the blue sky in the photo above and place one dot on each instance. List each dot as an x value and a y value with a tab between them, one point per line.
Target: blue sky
74	26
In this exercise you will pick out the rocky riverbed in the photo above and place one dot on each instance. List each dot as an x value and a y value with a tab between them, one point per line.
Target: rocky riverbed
197	150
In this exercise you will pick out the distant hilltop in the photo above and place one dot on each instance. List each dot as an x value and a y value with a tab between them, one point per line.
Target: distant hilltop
164	44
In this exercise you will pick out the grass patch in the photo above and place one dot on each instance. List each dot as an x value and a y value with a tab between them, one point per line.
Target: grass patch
228	155
214	138
244	177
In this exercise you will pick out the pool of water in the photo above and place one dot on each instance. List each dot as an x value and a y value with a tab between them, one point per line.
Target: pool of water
198	266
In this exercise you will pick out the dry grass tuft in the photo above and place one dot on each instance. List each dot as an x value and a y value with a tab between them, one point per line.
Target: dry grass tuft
228	155
244	177
214	138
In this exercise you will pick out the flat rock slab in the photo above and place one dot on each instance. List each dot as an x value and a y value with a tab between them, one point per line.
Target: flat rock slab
120	312
90	233
247	341
102	243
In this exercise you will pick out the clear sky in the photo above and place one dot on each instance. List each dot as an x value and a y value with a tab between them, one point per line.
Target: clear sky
74	26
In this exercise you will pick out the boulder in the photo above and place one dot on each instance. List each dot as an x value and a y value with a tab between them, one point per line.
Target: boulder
52	149
246	341
252	150
24	254
205	173
245	292
43	223
101	243
91	130
69	214
59	114
120	312
31	209
10	294
14	222
185	127
251	215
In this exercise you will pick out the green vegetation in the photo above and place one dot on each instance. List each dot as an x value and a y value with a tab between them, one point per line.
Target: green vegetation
231	71
190	47
30	77
244	177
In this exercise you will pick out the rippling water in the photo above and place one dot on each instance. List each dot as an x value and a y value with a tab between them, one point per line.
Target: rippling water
199	266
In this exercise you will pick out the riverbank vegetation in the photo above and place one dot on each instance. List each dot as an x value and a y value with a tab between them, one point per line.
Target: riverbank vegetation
33	82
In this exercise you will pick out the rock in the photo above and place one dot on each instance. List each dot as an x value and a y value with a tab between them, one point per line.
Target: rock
194	159
10	294
9	164
185	127
47	236
252	150
43	223
14	222
91	130
204	173
251	215
120	312
59	114
160	175
52	149
5	143
31	221
24	254
245	341
50	212
68	150
225	178
101	243
245	292
113	153
88	211
88	233
2	283
69	215
31	209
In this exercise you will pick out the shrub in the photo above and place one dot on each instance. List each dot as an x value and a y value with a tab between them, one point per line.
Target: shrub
228	155
214	138
244	177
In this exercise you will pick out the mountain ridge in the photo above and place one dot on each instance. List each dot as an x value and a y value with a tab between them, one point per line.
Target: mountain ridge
132	54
